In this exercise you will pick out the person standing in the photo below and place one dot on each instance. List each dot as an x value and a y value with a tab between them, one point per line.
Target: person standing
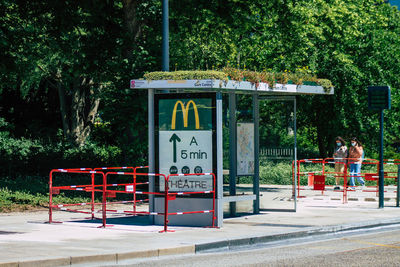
340	154
356	152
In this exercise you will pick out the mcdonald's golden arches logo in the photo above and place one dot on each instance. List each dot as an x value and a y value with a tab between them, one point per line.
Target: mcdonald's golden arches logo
185	114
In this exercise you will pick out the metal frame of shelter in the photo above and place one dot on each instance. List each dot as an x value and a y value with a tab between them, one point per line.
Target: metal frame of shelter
260	91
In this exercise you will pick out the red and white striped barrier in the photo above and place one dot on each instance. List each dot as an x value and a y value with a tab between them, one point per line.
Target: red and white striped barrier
111	189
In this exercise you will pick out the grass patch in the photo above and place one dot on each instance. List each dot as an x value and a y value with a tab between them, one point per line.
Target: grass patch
30	193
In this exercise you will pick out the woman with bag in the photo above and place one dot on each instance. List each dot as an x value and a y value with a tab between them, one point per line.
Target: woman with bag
339	155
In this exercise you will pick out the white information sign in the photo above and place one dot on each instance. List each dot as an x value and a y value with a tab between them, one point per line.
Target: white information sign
245	148
184	152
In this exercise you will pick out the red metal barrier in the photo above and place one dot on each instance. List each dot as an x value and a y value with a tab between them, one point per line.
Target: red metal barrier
133	185
172	195
370	175
112	192
299	173
85	188
109	189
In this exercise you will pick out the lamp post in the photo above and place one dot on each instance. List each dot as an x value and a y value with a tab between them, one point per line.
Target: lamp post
165	36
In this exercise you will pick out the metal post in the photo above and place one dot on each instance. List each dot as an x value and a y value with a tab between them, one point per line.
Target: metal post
295	150
165	36
220	179
398	187
381	171
256	177
232	151
151	151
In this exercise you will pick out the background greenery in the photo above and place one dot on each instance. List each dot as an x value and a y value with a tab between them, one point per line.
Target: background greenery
65	68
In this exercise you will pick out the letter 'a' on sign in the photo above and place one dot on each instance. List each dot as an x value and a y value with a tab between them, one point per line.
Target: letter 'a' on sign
378	97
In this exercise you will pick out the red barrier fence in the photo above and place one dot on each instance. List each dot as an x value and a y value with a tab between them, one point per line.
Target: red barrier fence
109	189
322	173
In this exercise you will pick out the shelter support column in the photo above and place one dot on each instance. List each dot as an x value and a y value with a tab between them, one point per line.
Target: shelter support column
256	177
151	151
232	151
220	178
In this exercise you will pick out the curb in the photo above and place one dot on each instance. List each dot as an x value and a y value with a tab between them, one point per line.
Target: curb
228	244
117	258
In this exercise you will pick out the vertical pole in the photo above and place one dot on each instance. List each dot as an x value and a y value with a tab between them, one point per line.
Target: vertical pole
134	191
219	201
165	36
381	171
92	203
166	204
104	204
151	151
295	149
51	197
256	177
232	151
398	187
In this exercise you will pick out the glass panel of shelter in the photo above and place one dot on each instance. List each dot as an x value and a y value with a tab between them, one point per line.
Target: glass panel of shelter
277	152
241	185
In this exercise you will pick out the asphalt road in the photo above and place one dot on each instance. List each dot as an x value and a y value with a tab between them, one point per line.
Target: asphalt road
380	247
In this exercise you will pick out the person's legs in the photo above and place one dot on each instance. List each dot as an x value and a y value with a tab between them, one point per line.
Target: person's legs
339	172
352	173
358	171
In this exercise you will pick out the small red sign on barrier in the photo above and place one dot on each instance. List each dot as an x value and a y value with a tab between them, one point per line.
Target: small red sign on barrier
111	194
319	182
55	191
371	176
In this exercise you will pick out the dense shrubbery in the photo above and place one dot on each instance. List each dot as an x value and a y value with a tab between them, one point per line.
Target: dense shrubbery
29	157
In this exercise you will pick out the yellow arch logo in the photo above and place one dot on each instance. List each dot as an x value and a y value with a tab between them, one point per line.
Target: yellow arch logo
185	114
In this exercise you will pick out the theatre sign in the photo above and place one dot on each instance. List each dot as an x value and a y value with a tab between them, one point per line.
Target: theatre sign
185	134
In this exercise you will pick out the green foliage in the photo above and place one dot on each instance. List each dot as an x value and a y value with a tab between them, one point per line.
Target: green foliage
229	73
11	201
33	156
276	173
186	75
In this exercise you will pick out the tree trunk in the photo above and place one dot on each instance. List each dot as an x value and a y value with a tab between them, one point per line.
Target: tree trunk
131	21
132	25
63	108
78	119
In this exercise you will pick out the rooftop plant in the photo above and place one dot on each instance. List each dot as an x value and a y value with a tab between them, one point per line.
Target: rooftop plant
300	76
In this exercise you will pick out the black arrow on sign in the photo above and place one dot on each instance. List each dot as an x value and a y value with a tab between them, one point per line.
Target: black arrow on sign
173	139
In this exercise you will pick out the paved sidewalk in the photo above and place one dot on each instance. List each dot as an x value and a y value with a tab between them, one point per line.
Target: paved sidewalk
26	240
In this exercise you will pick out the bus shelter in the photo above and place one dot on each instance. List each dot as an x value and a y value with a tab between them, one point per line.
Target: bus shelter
186	129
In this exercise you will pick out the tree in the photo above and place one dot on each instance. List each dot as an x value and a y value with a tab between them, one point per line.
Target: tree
352	43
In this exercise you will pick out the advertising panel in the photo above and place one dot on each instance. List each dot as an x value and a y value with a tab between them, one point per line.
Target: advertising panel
185	141
245	148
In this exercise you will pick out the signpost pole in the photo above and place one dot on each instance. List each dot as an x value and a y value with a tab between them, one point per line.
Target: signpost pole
381	171
379	99
398	187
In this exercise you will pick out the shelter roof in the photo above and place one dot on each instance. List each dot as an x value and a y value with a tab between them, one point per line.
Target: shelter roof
212	85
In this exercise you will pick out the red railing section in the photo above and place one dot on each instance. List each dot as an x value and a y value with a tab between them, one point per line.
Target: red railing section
321	169
109	188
